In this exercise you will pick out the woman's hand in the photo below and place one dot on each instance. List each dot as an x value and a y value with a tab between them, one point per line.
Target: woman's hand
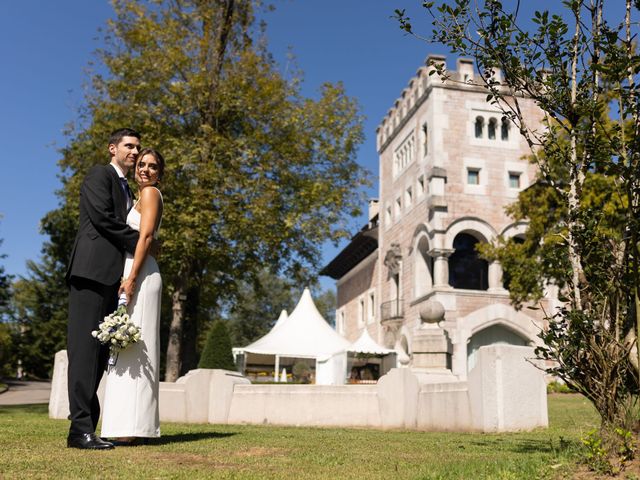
128	286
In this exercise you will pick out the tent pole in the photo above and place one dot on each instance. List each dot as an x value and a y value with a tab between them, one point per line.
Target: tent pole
275	372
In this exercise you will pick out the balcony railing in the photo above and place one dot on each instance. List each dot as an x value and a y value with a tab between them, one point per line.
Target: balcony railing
392	310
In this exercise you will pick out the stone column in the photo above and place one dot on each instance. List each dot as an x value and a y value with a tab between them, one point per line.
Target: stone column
495	277
440	266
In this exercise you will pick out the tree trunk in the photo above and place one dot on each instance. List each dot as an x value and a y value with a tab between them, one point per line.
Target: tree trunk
633	188
215	38
174	350
190	331
576	179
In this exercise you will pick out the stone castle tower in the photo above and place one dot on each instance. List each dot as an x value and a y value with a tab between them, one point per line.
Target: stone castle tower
449	163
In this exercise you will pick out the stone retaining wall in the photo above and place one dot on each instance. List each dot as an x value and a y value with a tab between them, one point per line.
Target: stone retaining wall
504	392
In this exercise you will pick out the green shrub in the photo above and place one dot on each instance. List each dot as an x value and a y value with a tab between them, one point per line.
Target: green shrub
217	348
301	372
608	451
596	456
558	387
7	367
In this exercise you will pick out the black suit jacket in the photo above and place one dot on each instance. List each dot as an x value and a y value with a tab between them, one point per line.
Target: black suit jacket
103	235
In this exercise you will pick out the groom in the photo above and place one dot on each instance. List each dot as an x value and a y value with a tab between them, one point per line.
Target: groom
95	270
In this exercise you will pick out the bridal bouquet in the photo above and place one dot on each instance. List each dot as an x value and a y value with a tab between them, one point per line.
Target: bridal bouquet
118	331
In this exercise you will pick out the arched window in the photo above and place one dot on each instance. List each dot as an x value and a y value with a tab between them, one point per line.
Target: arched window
479	127
466	269
423	269
493	335
504	129
491	131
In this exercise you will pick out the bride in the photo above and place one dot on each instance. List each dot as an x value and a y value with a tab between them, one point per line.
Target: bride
131	412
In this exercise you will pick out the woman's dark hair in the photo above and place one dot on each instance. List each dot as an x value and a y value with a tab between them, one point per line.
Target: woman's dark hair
155	154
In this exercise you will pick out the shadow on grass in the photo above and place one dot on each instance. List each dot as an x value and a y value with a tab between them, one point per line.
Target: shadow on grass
530	445
188	437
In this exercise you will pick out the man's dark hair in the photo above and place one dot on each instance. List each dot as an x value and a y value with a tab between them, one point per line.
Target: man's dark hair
117	135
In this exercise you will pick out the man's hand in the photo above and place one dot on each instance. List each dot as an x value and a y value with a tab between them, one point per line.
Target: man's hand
128	286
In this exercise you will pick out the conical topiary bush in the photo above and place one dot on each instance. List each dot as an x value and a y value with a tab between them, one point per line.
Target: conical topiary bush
217	348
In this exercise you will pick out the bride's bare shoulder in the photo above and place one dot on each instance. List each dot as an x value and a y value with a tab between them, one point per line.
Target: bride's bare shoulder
151	194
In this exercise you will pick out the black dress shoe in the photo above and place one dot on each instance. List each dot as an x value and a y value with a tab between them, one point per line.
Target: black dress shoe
87	441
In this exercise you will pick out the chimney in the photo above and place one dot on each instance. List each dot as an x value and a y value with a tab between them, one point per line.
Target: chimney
464	66
374	207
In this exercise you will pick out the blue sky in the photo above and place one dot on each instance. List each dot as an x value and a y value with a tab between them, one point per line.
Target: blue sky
46	46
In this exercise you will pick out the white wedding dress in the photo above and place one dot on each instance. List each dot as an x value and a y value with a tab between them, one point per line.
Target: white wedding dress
132	387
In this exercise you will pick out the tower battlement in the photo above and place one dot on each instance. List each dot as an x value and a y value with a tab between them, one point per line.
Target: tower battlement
419	87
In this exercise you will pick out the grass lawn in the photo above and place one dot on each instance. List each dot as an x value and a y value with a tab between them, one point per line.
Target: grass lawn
33	446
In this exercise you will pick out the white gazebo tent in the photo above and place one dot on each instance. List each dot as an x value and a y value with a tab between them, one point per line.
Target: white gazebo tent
304	334
239	356
283	316
366	348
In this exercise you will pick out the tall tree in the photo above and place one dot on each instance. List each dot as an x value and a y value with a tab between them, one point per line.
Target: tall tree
575	64
39	307
40	313
259	303
5	287
6	330
257	175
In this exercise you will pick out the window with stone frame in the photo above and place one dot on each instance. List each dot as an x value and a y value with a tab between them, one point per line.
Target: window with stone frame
491	129
420	186
360	311
504	129
423	268
479	127
514	179
371	307
403	155
408	197
473	176
425	139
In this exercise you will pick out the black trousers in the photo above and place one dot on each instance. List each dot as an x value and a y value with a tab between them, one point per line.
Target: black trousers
89	303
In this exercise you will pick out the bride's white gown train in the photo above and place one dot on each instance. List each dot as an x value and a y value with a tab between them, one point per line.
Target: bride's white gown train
132	388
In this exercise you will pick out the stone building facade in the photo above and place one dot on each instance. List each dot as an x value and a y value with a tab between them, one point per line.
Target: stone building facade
449	163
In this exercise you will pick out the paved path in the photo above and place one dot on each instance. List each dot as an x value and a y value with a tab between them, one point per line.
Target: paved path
23	392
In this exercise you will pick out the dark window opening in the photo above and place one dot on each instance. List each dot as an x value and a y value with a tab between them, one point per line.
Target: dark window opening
466	269
479	127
